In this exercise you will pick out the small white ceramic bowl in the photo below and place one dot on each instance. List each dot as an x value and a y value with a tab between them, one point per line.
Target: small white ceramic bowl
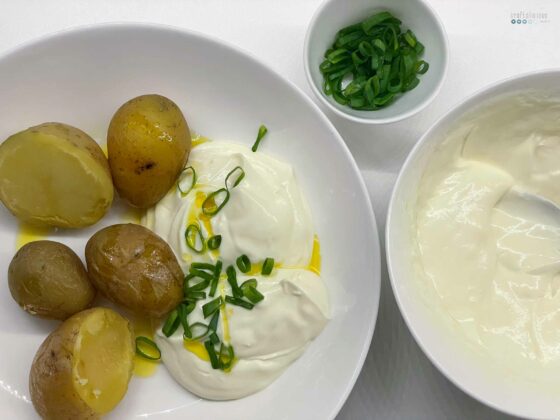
416	15
449	350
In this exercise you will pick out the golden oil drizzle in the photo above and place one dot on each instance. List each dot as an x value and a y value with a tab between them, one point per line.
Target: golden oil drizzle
198	140
144	327
315	261
197	348
30	233
314	264
224	314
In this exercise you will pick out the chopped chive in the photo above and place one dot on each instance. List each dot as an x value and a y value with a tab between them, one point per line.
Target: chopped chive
213	325
213	337
232	280
200	273
253	294
410	38
380	45
215	278
198	287
239	302
184	177
262	132
365	50
214	242
182	310
249	283
201	266
146	347
371	22
267	267
187	279
226	360
238	179
211	307
171	323
190	307
212	354
422	67
209	205
412	84
199	330
243	263
193	234
193	296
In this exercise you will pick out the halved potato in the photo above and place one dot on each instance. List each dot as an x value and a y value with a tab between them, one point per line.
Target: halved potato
82	369
55	175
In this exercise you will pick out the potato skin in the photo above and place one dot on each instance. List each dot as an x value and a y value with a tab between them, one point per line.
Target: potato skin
54	174
148	145
48	279
135	268
51	377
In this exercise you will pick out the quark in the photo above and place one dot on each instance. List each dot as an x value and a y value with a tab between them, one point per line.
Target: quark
266	216
488	230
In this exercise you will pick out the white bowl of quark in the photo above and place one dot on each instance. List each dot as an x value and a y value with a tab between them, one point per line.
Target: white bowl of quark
530	386
81	76
415	15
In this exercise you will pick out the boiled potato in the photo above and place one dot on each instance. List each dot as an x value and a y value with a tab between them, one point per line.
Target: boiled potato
148	145
82	369
135	268
55	175
48	279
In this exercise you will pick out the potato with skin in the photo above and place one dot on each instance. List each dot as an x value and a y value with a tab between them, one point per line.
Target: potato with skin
55	175
48	279
82	369
148	145
135	268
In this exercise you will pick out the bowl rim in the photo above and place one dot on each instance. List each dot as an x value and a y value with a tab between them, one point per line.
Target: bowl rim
386	120
457	110
360	185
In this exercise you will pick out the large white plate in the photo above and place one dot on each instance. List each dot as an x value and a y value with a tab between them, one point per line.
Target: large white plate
80	77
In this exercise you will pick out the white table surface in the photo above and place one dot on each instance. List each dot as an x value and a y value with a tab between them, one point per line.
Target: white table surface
397	381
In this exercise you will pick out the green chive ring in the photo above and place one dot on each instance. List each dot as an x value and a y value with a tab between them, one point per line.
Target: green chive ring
214	242
184	173
171	323
192	233
238	179
199	330
243	263
209	206
144	342
267	267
